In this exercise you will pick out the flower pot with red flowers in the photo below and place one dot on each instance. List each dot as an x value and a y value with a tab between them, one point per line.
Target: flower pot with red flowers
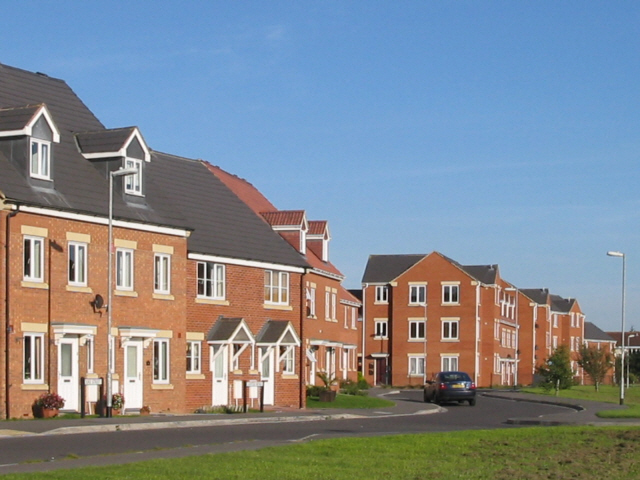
48	405
117	403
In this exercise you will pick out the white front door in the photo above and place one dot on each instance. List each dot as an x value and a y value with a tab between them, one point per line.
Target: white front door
68	380
133	375
267	374
220	387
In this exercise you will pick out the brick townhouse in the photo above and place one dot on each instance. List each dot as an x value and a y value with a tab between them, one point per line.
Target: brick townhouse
331	327
55	159
426	313
205	294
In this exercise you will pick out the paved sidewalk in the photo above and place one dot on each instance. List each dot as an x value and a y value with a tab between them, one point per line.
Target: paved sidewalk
578	413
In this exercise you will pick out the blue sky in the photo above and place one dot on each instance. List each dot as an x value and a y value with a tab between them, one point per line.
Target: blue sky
494	132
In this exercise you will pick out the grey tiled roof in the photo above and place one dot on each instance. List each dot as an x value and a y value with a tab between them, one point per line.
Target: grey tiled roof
77	185
272	332
17	117
386	268
224	225
485	274
538	295
562	305
222	329
101	141
592	332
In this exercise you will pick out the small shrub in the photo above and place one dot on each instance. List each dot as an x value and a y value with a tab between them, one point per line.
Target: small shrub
314	390
50	400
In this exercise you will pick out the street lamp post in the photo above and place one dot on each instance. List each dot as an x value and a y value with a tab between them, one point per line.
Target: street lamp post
117	173
624	258
515	373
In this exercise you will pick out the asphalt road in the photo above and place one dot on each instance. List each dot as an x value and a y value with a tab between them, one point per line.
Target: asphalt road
18	454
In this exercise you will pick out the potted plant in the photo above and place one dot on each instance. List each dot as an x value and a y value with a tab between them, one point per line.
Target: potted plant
145	410
117	403
48	405
327	394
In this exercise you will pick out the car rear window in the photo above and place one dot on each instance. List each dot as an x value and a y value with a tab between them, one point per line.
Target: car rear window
455	377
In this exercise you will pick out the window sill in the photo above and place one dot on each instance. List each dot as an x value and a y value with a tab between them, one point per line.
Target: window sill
416	340
38	285
161	386
289	376
443	304
417	305
163	296
211	301
78	289
381	338
312	317
450	340
269	306
237	372
381	303
126	293
195	376
34	386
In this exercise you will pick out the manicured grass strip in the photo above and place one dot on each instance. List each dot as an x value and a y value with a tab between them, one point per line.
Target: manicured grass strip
531	454
607	393
350	401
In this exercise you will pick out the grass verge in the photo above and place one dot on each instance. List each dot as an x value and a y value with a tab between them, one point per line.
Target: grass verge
607	393
350	401
527	453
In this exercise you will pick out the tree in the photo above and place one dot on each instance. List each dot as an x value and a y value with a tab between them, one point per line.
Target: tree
556	370
596	363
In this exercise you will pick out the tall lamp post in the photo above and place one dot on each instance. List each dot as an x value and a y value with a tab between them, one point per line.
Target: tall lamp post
517	353
624	258
117	173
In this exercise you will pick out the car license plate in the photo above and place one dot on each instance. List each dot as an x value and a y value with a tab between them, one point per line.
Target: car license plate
458	385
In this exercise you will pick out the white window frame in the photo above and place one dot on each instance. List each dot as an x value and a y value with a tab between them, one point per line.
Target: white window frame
78	276
334	306
382	294
42	162
449	291
381	329
354	318
447	361
162	273
33	264
33	359
124	269
327	305
312	301
133	182
276	287
89	344
288	359
416	365
414	330
447	329
194	356
416	292
211	280
161	361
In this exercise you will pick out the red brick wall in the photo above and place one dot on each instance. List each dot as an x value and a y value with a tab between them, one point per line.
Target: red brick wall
56	304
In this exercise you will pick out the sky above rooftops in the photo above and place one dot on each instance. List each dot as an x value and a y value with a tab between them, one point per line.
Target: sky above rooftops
494	132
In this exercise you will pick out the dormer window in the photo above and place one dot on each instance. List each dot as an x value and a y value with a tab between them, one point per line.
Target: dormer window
133	183
40	162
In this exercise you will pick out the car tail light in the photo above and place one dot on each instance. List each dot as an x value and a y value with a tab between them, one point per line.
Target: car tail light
473	386
443	386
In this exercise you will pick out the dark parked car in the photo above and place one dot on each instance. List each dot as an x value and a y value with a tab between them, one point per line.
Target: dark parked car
450	387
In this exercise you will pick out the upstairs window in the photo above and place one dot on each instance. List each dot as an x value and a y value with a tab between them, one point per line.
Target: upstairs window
380	329
162	273
40	159
450	294
124	269
77	264
133	183
211	279
382	294
276	288
33	259
417	294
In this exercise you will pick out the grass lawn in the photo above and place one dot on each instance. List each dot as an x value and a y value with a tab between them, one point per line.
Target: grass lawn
350	401
525	453
607	393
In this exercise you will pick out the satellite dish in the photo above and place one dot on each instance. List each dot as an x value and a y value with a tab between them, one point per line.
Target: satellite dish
99	301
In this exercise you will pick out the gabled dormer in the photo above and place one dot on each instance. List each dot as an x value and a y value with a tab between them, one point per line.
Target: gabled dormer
117	148
27	134
318	238
292	225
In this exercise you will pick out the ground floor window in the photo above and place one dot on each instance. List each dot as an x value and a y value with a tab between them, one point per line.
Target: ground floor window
416	366
33	355
449	364
161	361
193	357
